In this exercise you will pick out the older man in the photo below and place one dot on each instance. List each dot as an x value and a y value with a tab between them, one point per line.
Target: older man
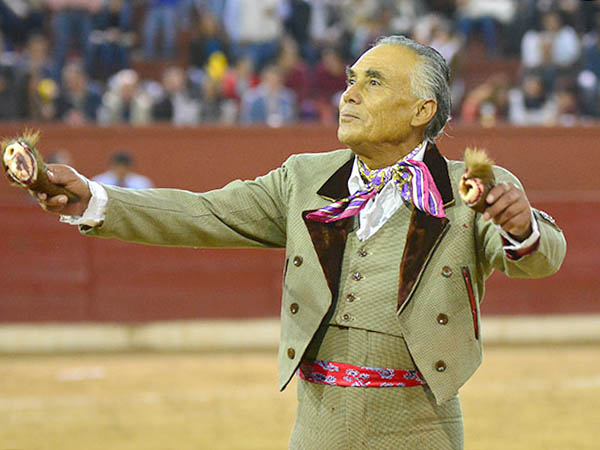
385	264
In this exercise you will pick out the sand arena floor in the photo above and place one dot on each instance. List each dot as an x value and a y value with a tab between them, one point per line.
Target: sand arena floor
523	398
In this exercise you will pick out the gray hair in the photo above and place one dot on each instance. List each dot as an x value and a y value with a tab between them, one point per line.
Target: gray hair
430	80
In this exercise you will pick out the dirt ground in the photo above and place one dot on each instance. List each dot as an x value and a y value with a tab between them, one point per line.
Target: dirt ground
523	398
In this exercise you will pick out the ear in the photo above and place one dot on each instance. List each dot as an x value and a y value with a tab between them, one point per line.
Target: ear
425	110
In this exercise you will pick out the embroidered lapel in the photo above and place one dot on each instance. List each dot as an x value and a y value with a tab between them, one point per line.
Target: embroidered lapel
425	232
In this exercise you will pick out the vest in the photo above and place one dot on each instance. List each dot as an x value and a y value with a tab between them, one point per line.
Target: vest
362	325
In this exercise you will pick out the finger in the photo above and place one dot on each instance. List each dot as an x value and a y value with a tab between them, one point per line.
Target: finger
42	196
57	201
507	199
61	174
509	213
497	192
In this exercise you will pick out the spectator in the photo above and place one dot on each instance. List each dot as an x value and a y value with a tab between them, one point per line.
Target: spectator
296	76
531	104
215	109
551	51
208	38
125	101
36	90
270	102
328	83
79	99
254	27
175	105
71	24
19	21
486	14
297	25
239	79
120	173
111	39
487	104
161	19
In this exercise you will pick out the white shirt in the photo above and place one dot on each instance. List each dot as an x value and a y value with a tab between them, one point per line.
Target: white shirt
380	208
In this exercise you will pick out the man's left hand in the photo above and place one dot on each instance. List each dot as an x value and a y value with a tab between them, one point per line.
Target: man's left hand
510	209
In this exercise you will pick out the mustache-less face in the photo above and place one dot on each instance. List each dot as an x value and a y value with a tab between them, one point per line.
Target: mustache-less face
19	163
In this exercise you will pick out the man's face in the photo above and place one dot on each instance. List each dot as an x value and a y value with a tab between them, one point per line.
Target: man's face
377	106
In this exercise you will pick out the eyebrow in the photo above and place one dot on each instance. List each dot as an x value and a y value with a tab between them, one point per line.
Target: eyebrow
370	73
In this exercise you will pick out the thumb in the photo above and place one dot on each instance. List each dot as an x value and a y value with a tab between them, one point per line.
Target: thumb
62	174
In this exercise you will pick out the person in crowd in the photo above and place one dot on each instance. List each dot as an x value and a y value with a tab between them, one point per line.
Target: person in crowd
588	79
71	27
36	89
380	317
270	102
296	22
531	103
125	101
296	76
176	105
121	173
111	39
553	50
79	98
160	20
486	14
254	28
19	20
238	79
208	38
328	83
487	103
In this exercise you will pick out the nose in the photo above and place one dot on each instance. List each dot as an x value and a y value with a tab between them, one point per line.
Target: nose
351	94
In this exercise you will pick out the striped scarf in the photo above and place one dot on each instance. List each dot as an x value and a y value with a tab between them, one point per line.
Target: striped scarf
412	178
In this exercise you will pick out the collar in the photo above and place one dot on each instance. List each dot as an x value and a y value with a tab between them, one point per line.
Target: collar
336	187
356	182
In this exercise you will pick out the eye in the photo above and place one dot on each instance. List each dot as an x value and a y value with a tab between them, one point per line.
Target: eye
350	81
374	82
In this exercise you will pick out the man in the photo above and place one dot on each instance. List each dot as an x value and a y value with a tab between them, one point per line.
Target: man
380	308
121	173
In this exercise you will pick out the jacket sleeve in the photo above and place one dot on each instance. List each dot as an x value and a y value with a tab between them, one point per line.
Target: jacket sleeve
241	214
544	261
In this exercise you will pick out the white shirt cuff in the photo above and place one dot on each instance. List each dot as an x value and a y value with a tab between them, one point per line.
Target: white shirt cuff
516	245
94	215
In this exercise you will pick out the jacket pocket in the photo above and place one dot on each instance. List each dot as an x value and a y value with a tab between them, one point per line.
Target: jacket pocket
466	273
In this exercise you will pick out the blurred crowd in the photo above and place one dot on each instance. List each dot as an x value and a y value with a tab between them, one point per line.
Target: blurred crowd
282	61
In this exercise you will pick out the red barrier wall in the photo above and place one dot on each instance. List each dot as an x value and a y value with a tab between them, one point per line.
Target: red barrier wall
51	273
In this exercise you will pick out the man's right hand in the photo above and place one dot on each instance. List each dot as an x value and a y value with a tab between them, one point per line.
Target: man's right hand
69	178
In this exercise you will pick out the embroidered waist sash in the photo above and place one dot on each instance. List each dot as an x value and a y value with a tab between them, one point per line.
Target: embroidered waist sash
342	374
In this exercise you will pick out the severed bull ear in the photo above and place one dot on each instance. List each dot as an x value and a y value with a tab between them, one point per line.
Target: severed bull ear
25	167
478	179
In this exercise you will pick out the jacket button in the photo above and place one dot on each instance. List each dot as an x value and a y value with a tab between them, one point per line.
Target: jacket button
347	317
356	276
446	271
350	298
442	319
440	366
362	252
291	353
294	308
297	261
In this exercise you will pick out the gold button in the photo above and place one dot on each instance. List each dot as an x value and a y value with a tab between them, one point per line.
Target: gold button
294	308
297	261
362	252
357	276
440	366
346	317
291	353
442	319
446	271
350	298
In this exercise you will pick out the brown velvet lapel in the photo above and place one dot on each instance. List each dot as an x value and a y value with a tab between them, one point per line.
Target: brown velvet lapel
329	239
424	231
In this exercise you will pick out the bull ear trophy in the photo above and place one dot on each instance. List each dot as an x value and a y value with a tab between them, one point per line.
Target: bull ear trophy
477	180
24	166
